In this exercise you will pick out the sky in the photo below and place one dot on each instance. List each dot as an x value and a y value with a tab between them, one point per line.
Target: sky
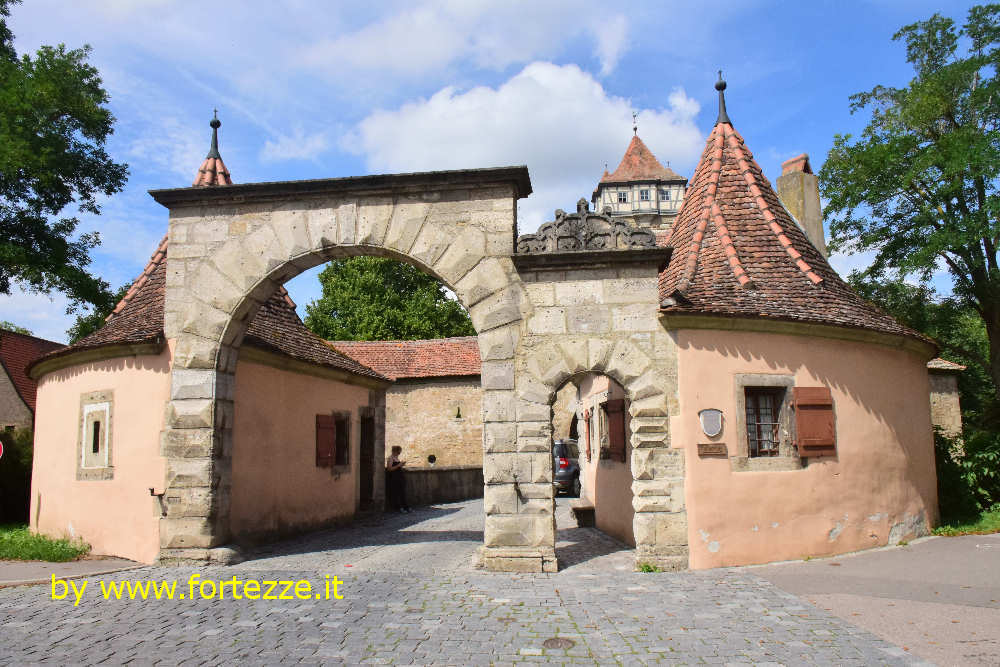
319	90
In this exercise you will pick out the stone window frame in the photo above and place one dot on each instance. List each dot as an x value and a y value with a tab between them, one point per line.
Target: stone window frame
106	400
788	455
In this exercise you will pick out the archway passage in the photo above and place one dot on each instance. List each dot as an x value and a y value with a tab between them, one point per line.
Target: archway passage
232	247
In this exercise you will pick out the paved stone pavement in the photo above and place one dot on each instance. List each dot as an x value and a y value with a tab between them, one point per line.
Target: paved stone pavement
939	597
410	596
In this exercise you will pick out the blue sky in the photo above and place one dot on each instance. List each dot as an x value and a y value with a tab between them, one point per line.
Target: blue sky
315	90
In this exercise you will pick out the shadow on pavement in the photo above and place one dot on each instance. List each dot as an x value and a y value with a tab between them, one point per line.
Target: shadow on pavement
371	530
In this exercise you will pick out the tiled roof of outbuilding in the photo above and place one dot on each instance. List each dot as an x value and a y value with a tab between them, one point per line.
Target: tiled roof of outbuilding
138	318
17	351
738	253
939	364
639	164
438	357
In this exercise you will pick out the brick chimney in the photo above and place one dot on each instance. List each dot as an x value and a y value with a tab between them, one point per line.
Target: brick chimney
798	189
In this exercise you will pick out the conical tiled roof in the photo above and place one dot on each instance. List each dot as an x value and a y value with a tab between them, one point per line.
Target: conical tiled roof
213	170
138	319
639	164
737	251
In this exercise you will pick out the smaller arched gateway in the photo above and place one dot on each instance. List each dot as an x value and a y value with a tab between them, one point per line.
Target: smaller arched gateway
771	413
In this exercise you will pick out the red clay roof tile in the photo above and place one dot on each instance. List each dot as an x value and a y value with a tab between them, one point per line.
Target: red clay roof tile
737	251
276	327
439	357
17	351
639	164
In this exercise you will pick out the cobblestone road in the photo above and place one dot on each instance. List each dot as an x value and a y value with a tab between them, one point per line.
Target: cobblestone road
410	596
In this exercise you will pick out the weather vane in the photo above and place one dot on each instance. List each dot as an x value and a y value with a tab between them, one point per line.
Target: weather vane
635	123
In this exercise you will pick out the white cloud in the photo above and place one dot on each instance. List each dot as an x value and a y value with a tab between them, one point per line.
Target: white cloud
557	119
299	145
438	34
611	41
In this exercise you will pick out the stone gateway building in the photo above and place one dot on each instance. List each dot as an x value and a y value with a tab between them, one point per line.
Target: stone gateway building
765	411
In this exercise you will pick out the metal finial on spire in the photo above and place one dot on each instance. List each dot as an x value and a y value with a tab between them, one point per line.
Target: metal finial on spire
215	123
720	86
635	123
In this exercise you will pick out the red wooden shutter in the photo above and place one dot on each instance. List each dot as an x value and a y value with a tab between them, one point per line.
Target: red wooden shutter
326	441
814	425
615	410
586	424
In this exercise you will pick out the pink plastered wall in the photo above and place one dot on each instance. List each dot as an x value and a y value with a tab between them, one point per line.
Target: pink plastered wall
276	486
606	484
115	516
880	487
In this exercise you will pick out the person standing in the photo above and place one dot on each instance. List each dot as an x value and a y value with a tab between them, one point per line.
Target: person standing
395	481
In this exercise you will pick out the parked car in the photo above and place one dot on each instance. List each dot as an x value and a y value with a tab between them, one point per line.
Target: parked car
566	467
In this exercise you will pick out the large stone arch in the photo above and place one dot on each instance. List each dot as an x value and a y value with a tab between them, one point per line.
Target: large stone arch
230	249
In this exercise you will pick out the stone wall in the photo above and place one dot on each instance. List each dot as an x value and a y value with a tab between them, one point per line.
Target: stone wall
13	411
443	484
602	319
439	416
946	411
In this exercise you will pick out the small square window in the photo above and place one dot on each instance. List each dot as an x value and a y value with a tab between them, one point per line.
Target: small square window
622	197
664	195
643	195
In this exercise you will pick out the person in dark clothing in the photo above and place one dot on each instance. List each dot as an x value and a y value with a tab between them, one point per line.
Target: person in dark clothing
395	483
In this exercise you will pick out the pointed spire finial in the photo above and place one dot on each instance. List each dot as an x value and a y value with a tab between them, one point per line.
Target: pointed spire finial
720	86
215	124
213	170
635	123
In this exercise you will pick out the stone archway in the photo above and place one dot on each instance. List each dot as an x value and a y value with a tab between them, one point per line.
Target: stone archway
232	247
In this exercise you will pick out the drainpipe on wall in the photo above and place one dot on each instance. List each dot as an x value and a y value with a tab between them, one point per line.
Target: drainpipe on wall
798	189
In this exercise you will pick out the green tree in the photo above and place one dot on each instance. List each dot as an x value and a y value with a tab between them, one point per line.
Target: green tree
89	322
10	326
374	298
956	326
919	186
53	127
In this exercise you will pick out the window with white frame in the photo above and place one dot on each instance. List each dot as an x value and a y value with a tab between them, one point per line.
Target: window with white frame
94	460
622	197
664	195
643	195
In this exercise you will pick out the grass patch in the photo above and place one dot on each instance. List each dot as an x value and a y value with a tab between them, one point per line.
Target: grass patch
985	523
18	543
648	567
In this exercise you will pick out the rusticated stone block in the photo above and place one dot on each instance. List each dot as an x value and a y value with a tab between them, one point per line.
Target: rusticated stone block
191	413
588	319
486	278
500	308
499	437
520	530
461	256
498	406
499	343
188	443
188	473
497	374
188	532
373	220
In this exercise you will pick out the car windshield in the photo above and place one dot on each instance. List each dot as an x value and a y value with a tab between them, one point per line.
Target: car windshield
565	449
